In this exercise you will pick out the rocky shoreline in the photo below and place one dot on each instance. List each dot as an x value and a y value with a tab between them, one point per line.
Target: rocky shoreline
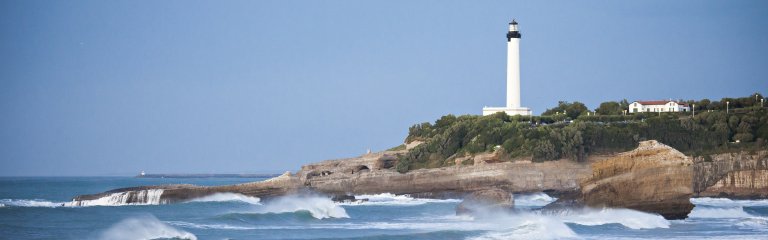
653	178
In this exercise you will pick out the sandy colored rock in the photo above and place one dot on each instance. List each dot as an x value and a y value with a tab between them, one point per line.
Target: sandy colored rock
652	178
740	175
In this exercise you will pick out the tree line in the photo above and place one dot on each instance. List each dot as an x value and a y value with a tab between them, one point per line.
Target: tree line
549	137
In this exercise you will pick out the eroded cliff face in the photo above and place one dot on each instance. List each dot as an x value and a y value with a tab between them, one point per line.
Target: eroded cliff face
652	178
734	175
375	173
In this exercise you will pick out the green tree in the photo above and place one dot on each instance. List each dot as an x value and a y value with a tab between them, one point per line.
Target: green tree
609	108
572	110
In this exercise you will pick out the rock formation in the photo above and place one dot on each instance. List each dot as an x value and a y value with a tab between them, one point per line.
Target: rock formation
489	200
652	178
362	176
278	186
735	175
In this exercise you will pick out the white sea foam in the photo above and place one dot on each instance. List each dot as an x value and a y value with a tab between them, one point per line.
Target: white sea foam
718	212
319	207
29	203
532	227
533	199
627	217
758	223
725	202
137	197
392	199
228	197
144	227
209	226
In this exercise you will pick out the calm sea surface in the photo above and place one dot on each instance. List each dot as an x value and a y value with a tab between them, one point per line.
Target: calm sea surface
32	208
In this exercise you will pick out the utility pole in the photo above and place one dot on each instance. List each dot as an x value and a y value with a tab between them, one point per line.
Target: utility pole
727	105
693	109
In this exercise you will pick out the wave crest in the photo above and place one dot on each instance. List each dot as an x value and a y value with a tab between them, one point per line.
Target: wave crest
725	202
318	207
228	197
144	227
137	197
718	212
388	199
539	199
629	218
28	203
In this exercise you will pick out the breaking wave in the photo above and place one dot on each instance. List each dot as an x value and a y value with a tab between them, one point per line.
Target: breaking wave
138	197
145	227
28	203
626	217
228	197
392	199
533	227
725	202
718	212
209	226
318	207
758	223
533	200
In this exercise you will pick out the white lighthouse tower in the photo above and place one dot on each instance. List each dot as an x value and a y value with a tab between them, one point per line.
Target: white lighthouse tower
513	76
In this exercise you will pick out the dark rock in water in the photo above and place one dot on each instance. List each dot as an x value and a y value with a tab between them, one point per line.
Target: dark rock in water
343	198
489	200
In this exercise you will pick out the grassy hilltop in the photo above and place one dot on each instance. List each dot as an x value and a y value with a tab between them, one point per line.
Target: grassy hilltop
569	131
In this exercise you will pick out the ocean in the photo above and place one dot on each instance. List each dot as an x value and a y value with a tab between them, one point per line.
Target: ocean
40	208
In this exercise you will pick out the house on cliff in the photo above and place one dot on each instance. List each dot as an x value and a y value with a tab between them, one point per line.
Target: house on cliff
658	106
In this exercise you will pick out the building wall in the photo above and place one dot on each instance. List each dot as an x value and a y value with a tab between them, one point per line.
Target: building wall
667	107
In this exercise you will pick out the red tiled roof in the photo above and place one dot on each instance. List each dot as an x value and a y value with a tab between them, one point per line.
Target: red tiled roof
661	102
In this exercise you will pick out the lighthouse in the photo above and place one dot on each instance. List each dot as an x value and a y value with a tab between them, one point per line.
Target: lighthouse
513	76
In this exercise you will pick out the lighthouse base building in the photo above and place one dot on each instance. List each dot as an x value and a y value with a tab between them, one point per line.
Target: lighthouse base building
513	77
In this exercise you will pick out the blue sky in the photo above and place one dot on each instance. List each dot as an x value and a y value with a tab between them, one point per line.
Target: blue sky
116	87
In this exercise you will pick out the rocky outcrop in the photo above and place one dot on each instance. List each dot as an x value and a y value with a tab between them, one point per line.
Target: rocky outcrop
278	186
652	178
345	177
741	175
489	200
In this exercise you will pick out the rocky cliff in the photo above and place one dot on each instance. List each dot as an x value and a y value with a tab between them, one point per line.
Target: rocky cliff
375	173
652	178
278	186
741	175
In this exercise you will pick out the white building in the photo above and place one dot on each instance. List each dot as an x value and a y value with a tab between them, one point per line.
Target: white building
513	77
658	106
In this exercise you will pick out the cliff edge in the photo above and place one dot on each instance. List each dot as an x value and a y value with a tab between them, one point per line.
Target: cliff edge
651	178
